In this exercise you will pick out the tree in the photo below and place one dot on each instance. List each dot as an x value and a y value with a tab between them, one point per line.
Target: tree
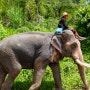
83	20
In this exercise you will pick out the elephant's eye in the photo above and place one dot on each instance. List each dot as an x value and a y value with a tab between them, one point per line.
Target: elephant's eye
74	45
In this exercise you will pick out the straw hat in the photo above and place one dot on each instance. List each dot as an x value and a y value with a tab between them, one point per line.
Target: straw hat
65	14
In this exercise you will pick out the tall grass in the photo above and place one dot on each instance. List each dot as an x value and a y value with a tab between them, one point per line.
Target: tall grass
70	77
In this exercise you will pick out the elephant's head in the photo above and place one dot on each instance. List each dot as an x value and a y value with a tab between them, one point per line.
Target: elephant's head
67	45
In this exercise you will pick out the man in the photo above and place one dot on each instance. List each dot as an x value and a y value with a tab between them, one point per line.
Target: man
62	26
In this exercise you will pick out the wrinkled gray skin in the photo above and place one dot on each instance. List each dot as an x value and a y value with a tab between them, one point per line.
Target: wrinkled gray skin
36	51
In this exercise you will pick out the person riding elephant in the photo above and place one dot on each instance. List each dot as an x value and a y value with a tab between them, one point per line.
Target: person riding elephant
63	26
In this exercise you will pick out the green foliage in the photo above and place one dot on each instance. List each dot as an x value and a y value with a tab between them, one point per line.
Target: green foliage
6	32
82	1
46	9
83	20
2	31
15	13
86	45
30	10
43	25
42	9
15	17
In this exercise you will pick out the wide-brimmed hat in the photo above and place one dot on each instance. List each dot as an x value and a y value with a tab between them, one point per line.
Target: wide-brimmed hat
65	14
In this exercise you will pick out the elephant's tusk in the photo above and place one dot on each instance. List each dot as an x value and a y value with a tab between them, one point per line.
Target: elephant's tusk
82	63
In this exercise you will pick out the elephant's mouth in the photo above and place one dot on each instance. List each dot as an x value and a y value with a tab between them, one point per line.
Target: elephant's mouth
83	64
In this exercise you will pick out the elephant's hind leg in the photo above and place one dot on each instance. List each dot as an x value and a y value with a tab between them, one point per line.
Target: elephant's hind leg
2	75
13	67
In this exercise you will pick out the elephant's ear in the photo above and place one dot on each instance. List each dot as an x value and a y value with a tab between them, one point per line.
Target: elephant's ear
56	43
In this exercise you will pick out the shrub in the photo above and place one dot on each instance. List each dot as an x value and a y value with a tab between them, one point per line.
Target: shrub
46	9
83	20
30	10
5	32
15	16
2	30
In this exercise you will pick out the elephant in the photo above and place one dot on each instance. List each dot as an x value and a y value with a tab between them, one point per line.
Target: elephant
37	50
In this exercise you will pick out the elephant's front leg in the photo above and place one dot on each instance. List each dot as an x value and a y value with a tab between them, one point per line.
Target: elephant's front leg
39	69
56	74
82	74
37	79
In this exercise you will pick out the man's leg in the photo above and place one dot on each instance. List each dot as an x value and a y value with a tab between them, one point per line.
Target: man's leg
77	35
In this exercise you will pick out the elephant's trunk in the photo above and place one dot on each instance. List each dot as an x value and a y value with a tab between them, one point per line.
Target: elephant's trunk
82	63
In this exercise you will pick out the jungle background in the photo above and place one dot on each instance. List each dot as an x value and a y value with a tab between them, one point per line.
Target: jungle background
18	16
